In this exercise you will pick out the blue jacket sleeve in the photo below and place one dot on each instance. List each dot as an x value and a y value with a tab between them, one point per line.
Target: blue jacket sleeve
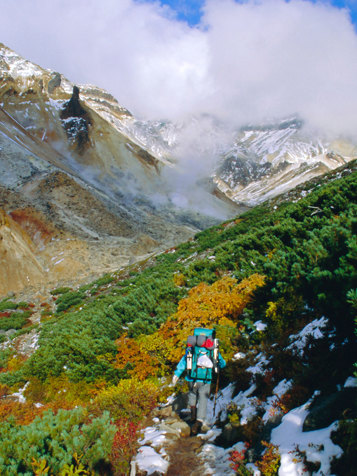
221	361
181	367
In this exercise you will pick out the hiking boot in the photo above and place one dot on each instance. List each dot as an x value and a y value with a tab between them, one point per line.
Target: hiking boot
196	428
193	414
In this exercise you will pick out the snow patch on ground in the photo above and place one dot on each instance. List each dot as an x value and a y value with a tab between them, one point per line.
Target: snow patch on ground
247	405
261	362
216	459
312	330
351	382
20	394
271	404
223	399
238	356
260	325
317	445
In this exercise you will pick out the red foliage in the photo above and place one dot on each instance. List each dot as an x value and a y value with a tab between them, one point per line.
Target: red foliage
5	314
238	459
124	445
23	413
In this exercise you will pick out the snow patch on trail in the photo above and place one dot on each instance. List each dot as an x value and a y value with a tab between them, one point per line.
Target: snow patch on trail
317	445
150	461
152	436
216	459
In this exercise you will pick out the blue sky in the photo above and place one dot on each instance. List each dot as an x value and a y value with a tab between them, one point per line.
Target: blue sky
191	10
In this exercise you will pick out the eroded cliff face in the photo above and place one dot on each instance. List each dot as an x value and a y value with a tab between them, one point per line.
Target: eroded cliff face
77	185
269	160
18	263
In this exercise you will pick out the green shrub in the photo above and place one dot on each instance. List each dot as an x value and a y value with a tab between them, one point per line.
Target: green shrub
15	321
57	439
69	299
131	399
6	305
106	279
61	290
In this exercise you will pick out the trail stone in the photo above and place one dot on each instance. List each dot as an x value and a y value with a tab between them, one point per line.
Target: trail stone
183	427
230	433
171	420
165	412
169	429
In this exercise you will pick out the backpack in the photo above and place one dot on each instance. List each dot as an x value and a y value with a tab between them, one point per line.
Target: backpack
202	354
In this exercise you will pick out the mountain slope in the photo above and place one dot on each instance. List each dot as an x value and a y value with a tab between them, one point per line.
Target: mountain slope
268	160
63	155
277	283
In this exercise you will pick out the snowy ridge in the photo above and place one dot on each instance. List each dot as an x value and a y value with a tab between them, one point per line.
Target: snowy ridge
249	166
268	160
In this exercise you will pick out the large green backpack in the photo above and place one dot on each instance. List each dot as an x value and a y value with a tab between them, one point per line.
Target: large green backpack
202	354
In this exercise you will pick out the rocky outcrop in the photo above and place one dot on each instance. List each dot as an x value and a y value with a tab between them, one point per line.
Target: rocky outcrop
76	121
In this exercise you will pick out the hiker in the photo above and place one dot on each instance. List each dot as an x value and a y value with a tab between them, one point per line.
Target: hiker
201	359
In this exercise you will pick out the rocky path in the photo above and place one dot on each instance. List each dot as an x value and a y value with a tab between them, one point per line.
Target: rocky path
184	458
167	447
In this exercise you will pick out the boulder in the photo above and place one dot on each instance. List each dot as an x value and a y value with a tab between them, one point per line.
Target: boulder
325	409
230	433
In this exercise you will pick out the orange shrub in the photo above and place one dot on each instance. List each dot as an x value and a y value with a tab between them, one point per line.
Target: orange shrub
132	353
207	305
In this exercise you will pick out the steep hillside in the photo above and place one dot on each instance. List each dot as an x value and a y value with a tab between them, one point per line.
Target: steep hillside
277	283
65	156
19	265
76	157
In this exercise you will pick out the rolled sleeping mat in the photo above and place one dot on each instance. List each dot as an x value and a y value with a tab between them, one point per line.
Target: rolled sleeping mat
191	341
201	339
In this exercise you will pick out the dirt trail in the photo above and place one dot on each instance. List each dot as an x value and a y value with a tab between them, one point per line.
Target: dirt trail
184	459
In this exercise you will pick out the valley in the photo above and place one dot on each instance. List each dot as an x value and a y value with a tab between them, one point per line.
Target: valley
114	248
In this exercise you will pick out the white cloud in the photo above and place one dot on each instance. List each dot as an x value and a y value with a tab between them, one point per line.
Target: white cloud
247	62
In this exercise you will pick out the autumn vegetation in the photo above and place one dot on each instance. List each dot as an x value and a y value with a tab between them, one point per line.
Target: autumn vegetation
107	348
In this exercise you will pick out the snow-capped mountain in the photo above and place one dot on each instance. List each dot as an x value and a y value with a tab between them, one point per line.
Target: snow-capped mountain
80	163
72	161
268	160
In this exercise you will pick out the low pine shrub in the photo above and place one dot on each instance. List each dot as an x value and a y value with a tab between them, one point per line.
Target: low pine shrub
69	299
5	304
16	321
59	440
61	290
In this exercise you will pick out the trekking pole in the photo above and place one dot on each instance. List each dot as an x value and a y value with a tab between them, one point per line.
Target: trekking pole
216	361
215	395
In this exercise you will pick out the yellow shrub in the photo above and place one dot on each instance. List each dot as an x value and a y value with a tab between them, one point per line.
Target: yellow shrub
179	279
206	306
131	398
